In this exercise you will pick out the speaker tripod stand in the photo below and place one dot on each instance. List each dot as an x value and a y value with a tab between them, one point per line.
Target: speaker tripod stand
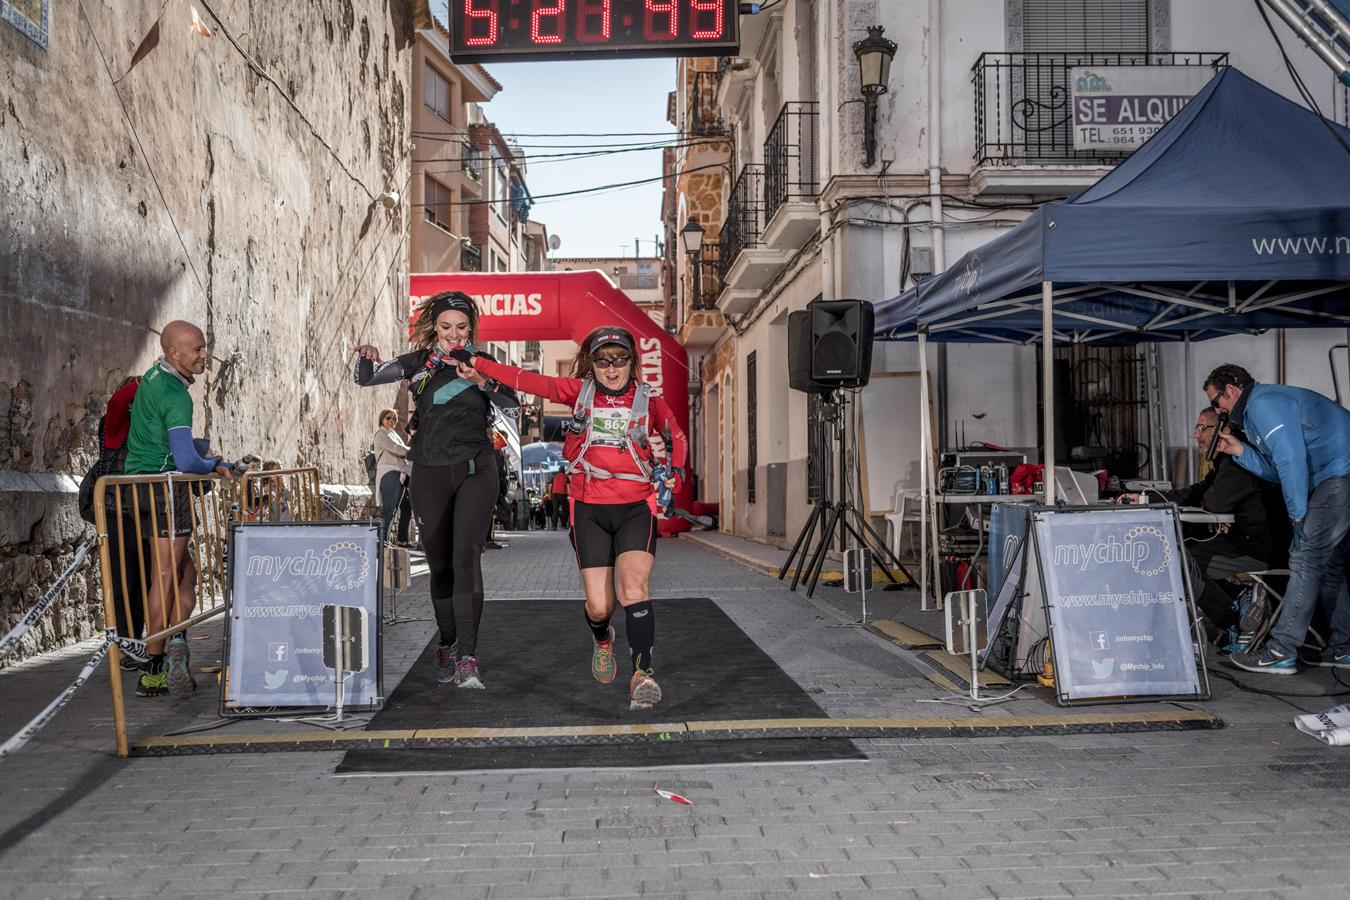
836	516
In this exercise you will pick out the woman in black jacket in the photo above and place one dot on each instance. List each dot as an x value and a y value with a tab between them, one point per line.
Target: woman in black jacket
453	466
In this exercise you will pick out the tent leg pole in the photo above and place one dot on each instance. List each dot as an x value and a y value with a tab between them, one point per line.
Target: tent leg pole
925	499
1048	388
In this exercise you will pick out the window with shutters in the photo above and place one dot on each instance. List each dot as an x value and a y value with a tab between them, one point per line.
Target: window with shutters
437	202
436	92
1085	26
1060	34
751	425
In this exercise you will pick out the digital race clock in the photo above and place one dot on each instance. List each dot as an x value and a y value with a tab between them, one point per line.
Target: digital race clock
509	30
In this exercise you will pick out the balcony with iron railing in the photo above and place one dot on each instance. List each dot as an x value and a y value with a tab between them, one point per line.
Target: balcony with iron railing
791	176
744	223
703	323
473	161
744	264
1024	134
702	117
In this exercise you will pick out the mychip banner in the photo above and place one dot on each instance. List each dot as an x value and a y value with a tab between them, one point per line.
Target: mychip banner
1117	601
281	577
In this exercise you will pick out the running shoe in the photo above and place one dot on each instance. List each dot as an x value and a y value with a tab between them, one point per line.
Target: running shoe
603	665
179	680
1232	641
1331	659
643	691
466	674
1266	661
153	682
445	664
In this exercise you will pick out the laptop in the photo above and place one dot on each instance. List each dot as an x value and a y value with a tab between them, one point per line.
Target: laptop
1076	488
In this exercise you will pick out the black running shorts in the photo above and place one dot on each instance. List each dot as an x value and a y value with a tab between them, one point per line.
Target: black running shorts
156	523
601	531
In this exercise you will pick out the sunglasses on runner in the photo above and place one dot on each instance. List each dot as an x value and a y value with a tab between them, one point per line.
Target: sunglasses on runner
617	362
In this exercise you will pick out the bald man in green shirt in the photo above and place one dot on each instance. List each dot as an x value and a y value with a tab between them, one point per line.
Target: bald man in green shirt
160	440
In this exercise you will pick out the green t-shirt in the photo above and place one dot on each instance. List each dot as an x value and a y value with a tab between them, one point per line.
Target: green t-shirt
162	402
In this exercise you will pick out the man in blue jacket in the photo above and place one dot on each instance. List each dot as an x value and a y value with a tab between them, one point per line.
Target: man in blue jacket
1302	440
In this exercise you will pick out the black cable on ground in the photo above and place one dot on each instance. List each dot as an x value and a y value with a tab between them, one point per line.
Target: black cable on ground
1232	679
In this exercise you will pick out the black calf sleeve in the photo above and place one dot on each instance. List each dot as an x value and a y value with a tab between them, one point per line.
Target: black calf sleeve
599	629
640	623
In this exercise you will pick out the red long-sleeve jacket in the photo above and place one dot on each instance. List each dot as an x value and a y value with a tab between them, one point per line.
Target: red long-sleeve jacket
611	459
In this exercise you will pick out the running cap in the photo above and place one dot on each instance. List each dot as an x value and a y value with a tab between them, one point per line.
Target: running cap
611	337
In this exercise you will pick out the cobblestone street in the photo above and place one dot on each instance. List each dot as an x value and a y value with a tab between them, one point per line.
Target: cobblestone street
1253	809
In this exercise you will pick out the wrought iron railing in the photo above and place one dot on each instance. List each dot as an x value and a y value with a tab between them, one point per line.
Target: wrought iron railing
702	118
1022	109
706	277
744	224
473	161
790	171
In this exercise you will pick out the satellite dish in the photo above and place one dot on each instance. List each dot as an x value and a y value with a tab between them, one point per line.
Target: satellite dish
554	242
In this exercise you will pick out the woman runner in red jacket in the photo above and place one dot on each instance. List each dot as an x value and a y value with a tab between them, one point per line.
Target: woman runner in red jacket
612	499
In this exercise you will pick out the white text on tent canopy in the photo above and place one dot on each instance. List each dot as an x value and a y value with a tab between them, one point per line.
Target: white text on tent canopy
1120	107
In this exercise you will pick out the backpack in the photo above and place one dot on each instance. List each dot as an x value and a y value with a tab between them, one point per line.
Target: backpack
370	462
635	437
111	461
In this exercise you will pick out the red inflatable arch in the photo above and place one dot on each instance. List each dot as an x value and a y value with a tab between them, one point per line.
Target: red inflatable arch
556	306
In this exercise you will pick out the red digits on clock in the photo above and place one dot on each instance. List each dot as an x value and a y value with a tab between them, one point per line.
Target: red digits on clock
670	10
592	13
478	13
696	10
553	33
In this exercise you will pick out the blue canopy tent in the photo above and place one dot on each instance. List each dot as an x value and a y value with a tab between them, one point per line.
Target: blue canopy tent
1234	217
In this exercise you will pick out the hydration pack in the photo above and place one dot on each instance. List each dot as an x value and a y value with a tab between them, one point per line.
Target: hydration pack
633	439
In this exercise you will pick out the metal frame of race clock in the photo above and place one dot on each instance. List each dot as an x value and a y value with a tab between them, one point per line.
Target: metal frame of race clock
515	17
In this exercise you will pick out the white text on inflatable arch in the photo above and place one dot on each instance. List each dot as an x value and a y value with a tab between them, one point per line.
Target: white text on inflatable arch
509	304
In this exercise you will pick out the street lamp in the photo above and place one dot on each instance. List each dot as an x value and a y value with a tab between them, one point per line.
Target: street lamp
692	236
874	54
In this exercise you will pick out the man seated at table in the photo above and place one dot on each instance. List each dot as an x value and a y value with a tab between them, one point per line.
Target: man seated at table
1253	541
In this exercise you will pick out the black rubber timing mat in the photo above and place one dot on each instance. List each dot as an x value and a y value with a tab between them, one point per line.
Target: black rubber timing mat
534	657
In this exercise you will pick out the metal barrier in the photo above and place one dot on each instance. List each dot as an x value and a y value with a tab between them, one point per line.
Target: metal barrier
163	545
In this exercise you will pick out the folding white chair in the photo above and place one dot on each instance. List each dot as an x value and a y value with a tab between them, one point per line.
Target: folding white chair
906	510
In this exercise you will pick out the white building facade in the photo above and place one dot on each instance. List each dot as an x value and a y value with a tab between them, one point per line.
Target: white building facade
970	137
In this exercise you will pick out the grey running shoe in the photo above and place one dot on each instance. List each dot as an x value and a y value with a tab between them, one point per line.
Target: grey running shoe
445	664
181	684
603	665
1332	659
643	691
466	674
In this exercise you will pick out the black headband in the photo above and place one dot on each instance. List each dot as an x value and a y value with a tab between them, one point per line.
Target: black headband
460	303
611	337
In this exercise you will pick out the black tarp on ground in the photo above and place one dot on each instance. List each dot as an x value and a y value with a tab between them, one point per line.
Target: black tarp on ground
535	660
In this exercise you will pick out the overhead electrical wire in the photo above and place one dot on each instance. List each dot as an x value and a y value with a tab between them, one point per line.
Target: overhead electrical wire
579	191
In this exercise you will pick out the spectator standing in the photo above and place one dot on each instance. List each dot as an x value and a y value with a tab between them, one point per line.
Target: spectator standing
391	476
159	439
1300	439
561	506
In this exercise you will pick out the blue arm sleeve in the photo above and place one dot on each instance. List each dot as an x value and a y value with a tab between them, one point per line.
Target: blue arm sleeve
1254	461
1281	428
185	457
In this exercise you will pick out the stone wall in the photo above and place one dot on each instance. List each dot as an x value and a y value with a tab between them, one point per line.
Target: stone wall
230	181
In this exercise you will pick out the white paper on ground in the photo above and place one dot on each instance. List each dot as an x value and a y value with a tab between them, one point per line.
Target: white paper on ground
1331	727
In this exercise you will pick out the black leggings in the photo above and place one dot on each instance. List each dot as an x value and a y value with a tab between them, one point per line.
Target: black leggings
453	505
